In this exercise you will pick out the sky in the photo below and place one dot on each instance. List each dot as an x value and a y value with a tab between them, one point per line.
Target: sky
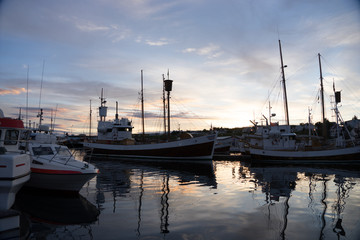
223	57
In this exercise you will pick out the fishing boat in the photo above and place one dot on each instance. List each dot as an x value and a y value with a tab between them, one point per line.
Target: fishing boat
115	138
53	166
278	142
14	163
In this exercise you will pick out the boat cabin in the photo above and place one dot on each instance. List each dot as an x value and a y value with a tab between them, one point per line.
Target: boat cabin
117	130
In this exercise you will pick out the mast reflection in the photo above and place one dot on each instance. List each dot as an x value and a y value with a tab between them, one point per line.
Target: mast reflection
278	182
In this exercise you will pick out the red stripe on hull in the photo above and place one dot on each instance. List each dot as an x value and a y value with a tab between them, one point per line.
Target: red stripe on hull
51	171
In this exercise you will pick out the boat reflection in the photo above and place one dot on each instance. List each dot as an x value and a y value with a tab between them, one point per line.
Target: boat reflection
48	210
328	190
115	175
129	179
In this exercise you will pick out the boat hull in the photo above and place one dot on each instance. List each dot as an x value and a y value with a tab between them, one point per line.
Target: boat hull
62	181
14	173
200	148
341	155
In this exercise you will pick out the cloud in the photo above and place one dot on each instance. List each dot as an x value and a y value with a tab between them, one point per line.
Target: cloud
160	42
210	51
12	91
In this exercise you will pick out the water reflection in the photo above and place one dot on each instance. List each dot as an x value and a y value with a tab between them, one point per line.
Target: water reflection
52	213
326	187
119	181
222	200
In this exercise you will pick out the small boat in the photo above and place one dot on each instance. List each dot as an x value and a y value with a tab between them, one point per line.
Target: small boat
278	142
14	163
53	166
115	139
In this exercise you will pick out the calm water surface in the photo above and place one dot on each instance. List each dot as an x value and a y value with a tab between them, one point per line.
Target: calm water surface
222	200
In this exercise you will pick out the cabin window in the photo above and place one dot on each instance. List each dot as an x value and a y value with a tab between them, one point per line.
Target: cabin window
11	137
63	151
123	129
42	151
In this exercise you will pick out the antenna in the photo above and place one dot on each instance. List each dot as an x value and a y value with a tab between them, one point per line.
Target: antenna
42	77
55	116
27	96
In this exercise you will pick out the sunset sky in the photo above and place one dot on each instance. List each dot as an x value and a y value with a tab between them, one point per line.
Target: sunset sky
222	55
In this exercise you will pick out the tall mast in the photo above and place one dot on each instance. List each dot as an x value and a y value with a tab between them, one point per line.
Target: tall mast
284	87
142	107
168	88
164	104
322	98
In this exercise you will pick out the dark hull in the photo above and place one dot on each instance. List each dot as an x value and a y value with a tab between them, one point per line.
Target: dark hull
194	151
201	148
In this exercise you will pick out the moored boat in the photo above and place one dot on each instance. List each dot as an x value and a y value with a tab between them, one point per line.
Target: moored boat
278	142
14	163
115	138
53	166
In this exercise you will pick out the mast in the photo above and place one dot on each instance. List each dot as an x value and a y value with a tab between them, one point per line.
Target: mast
164	104
40	116
322	98
142	107
284	86
168	88
102	108
90	120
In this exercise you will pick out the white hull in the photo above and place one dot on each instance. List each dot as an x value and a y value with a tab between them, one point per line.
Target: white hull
341	154
199	148
54	170
14	172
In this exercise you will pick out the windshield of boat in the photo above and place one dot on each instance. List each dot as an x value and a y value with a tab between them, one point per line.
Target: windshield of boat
42	151
11	137
63	151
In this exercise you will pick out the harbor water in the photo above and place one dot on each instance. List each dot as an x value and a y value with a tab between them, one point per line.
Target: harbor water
221	200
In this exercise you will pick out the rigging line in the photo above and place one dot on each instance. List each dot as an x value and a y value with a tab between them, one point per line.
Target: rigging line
189	115
345	83
308	63
178	103
275	83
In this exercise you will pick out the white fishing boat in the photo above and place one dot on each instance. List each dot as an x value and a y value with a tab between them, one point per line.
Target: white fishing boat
274	142
14	163
115	139
53	166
